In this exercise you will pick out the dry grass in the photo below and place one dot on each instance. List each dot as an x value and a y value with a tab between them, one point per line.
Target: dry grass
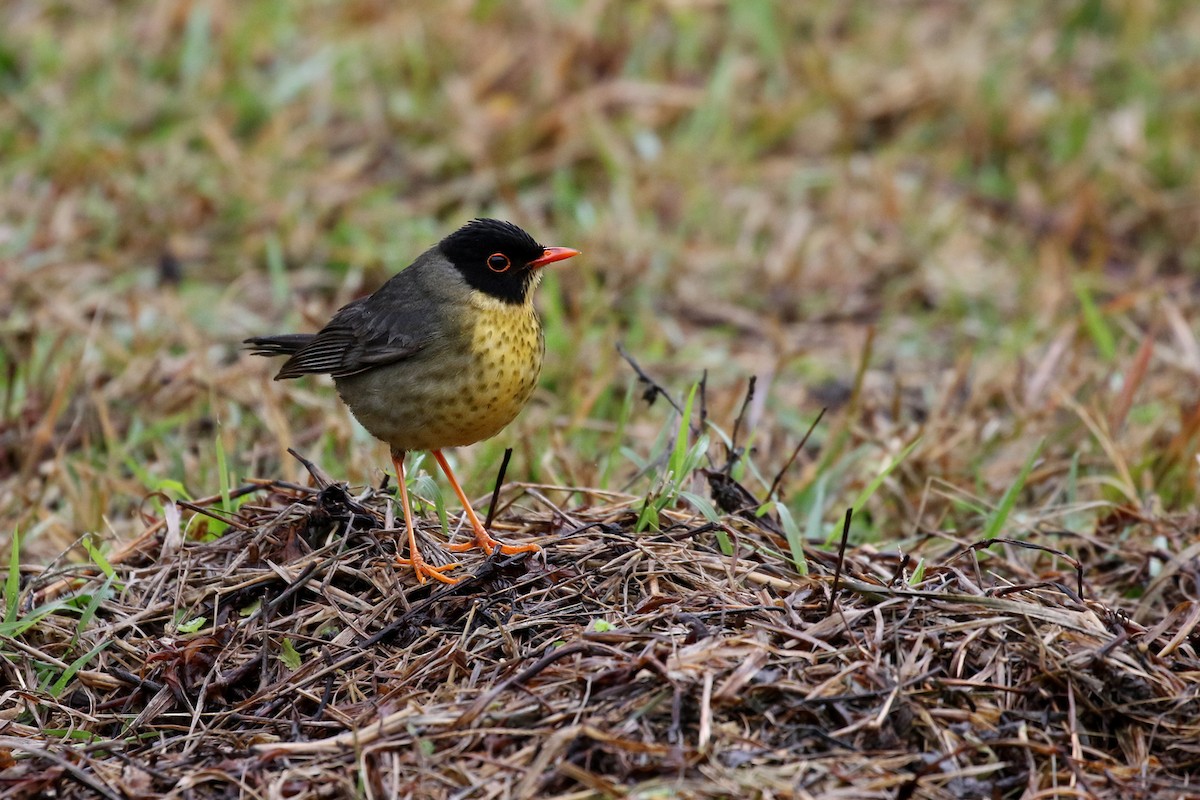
613	664
968	230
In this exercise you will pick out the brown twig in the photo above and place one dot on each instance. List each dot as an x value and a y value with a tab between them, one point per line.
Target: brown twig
841	559
491	515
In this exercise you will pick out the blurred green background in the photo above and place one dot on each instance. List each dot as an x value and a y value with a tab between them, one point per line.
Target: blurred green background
991	208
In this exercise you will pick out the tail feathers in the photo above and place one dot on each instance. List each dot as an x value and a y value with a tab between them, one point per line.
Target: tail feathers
282	345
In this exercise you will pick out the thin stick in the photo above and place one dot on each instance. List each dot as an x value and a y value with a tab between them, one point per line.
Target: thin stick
733	454
779	475
317	473
653	389
491	515
837	571
1074	562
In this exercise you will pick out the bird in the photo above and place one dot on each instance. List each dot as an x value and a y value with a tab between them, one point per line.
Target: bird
444	354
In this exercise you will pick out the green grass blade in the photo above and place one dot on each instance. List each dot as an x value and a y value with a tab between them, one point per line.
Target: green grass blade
702	505
870	488
97	557
197	45
20	624
89	610
75	666
425	488
679	453
290	656
215	526
647	517
1000	516
795	539
816	508
223	476
1093	321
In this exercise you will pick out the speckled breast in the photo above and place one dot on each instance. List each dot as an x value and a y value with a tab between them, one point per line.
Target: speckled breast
455	394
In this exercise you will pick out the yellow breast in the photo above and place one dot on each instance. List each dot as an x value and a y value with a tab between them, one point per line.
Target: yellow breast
507	346
461	392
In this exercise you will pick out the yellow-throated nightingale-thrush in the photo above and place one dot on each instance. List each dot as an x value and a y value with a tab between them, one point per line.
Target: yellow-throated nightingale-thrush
445	354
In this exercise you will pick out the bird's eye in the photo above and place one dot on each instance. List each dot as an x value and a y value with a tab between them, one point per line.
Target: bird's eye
498	262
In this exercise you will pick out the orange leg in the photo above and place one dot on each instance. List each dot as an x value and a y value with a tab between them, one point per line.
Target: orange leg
483	539
421	567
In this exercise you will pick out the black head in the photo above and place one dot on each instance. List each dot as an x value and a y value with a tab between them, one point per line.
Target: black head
499	258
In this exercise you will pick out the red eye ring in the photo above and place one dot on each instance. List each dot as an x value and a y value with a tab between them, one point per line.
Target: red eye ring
498	262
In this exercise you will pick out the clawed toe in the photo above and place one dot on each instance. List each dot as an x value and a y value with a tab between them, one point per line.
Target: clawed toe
423	569
489	544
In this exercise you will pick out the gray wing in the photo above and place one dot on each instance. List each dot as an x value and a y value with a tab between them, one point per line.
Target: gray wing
361	336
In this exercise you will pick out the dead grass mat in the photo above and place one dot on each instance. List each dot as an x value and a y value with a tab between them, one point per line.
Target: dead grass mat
612	664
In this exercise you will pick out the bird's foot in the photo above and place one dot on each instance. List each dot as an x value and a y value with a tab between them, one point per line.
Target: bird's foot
423	569
485	542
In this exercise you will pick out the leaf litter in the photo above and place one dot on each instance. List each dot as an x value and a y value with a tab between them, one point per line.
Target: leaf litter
290	657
